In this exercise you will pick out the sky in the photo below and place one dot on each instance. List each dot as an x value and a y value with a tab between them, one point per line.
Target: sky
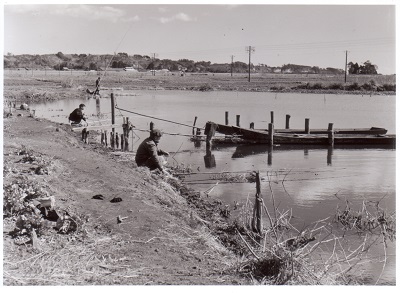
305	34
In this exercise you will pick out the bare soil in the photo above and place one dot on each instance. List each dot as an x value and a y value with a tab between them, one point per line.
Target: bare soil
161	239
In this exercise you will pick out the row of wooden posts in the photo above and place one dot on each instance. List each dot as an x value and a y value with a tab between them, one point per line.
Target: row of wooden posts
115	140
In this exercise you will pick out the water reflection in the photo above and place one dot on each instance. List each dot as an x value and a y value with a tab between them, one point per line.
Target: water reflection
242	151
98	112
209	159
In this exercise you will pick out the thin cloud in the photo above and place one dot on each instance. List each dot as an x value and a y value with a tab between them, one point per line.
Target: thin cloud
91	12
177	17
162	9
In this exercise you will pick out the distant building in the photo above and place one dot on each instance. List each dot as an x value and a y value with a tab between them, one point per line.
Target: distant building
130	69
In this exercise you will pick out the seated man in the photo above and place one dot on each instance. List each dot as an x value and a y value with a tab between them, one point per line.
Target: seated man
148	153
77	116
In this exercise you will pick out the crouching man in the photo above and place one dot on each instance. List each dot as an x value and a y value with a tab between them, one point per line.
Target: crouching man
149	155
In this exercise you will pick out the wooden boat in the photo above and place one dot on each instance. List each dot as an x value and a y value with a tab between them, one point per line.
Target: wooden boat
368	131
372	136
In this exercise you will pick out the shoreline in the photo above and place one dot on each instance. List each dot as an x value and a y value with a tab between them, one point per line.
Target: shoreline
151	208
41	87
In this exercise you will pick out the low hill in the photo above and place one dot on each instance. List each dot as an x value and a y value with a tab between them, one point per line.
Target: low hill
62	61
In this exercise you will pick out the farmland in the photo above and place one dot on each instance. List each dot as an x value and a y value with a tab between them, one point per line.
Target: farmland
51	84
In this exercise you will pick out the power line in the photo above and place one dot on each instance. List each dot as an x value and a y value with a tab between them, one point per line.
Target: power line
297	46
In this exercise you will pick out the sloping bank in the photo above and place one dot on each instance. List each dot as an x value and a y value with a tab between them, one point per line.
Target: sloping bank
108	221
82	214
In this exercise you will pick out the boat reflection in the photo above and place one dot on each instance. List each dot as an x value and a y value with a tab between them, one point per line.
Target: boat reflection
242	151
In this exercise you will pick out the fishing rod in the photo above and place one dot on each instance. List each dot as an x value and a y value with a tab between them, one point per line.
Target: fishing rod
108	65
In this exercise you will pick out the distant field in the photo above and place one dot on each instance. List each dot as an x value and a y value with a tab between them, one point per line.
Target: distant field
53	84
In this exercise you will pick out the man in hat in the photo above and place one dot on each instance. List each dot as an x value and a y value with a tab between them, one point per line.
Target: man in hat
77	116
148	153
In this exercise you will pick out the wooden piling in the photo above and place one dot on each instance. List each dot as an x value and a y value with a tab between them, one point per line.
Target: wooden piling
256	222
226	118
151	125
127	127
122	141
124	125
272	117
307	126
194	124
112	111
117	140
83	134
102	137
252	125
105	138
271	134
112	140
126	143
331	134
238	120
287	121
209	131
329	155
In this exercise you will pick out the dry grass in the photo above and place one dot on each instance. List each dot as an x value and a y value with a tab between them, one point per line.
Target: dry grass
314	255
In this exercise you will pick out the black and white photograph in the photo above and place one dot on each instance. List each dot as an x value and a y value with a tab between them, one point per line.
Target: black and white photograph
216	145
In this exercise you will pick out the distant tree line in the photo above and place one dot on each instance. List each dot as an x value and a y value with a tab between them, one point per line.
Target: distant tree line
59	61
367	68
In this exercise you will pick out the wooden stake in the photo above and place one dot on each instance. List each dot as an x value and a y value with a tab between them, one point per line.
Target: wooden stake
226	118
331	134
112	140
307	126
256	222
194	124
287	121
127	127
238	120
117	140
126	144
271	134
112	111
272	117
83	134
209	131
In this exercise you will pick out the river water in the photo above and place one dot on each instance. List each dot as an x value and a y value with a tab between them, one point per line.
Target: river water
311	182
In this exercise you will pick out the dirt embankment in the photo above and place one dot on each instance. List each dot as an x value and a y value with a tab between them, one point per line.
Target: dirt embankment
154	235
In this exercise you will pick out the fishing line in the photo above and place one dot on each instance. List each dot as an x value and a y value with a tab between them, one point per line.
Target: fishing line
148	116
116	49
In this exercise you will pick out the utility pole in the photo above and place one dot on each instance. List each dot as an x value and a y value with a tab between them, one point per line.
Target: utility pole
345	69
250	49
232	65
153	58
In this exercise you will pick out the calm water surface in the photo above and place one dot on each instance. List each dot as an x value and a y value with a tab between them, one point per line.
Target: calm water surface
310	181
